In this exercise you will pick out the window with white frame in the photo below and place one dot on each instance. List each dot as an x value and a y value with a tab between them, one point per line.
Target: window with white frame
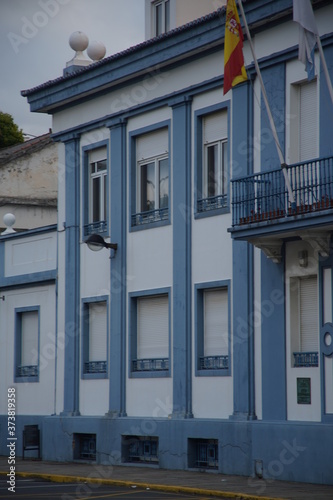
151	344
304	124
27	340
95	338
161	17
304	321
214	182
152	190
212	328
97	195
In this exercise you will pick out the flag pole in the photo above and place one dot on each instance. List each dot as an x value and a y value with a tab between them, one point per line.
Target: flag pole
270	117
323	61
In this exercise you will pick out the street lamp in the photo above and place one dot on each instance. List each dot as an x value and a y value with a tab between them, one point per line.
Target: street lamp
95	242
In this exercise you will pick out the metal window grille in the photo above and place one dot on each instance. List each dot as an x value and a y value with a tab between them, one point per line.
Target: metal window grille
86	444
141	449
141	365
214	362
150	216
27	371
95	367
212	203
207	454
305	359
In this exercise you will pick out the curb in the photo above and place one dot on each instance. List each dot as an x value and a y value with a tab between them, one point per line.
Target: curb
57	478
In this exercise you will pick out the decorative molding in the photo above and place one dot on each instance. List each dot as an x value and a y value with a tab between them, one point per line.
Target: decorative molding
271	248
319	241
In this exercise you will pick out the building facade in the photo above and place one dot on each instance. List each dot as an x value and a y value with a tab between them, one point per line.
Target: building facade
204	339
29	182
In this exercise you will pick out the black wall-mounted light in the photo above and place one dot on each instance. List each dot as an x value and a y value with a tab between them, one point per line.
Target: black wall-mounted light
95	242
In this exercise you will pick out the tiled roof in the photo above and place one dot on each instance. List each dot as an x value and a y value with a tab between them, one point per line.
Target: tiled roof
28	147
130	50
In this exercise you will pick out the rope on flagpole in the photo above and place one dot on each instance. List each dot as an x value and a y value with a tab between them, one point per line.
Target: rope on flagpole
270	116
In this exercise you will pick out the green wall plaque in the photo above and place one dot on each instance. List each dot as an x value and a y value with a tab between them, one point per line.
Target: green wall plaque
303	391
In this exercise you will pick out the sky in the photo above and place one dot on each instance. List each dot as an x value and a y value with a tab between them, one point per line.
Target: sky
34	45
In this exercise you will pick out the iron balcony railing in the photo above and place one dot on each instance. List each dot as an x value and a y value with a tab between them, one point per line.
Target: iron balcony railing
305	359
154	364
27	371
150	216
213	362
264	196
95	367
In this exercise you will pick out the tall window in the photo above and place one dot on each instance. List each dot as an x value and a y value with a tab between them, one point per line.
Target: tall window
95	338
152	178
308	121
154	184
213	328
161	17
27	334
150	333
304	320
97	196
214	168
213	184
303	122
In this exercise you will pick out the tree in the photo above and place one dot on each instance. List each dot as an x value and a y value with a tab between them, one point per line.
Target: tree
10	134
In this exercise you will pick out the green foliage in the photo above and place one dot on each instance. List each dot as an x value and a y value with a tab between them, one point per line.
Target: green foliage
10	134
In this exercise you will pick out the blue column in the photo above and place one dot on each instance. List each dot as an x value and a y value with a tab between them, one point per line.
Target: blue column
117	394
243	338
326	108
181	296
273	337
72	278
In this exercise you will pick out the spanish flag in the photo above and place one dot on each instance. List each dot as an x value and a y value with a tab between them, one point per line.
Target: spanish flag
234	70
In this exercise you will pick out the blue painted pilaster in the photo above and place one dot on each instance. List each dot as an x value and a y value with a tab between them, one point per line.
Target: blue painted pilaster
182	216
72	278
326	108
117	394
274	403
243	338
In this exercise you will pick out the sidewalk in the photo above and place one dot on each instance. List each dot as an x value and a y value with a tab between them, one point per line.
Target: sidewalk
203	483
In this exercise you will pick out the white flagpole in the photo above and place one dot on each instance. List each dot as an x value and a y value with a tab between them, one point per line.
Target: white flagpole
270	117
323	61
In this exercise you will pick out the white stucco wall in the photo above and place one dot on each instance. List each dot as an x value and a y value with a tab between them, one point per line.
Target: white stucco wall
32	398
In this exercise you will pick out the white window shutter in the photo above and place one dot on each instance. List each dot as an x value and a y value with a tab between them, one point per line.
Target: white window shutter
29	331
153	327
215	127
97	154
215	322
308	126
309	314
97	331
152	144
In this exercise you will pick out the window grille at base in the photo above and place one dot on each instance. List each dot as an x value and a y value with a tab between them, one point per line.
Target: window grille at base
140	449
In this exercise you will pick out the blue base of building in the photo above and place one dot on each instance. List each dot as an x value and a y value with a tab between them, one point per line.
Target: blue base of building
289	451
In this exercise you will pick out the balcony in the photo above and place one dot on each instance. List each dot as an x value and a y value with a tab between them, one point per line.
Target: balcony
262	209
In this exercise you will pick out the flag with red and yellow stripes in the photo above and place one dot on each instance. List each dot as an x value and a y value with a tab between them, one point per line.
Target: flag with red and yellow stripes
234	70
